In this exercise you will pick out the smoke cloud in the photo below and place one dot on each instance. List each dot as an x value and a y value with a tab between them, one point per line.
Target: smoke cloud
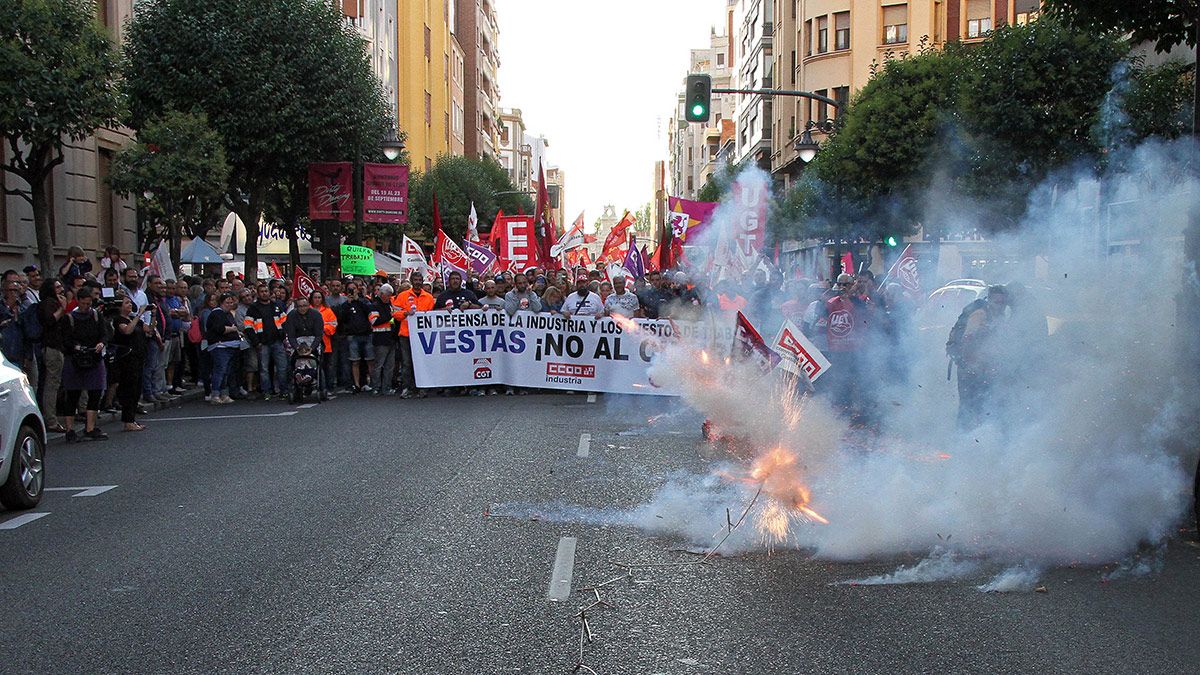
1071	463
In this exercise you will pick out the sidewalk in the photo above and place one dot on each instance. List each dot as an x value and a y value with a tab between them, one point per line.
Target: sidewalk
103	418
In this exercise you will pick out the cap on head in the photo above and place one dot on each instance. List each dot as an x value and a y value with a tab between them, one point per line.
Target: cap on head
844	278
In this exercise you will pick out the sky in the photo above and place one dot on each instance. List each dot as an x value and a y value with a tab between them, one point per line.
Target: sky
599	81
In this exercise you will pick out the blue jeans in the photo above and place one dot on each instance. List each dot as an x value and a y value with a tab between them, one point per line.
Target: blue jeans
150	369
268	355
221	356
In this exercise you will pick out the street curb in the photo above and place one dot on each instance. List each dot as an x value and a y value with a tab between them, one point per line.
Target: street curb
102	418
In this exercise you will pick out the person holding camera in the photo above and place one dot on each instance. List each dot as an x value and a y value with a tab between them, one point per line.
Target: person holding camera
127	358
83	367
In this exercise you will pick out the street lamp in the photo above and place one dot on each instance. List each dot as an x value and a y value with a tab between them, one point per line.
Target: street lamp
807	147
392	145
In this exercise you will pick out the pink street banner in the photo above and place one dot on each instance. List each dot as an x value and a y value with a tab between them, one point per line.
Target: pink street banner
750	226
329	185
385	193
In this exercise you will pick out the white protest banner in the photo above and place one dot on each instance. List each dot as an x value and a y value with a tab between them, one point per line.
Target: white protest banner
545	351
799	354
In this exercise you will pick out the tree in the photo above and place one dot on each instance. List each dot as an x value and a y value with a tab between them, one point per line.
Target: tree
889	144
1159	101
284	82
1029	102
643	224
1166	23
458	182
181	161
56	82
719	182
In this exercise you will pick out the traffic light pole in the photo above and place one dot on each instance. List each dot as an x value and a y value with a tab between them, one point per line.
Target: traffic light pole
780	92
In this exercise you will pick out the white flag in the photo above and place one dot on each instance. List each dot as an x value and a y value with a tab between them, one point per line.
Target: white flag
412	258
570	241
473	225
800	355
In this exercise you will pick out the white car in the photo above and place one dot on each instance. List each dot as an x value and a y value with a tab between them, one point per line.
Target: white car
22	440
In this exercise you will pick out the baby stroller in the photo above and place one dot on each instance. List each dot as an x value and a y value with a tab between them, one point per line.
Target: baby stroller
306	370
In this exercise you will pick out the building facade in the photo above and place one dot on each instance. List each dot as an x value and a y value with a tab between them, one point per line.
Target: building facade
556	186
694	148
478	34
84	211
512	150
755	29
828	47
424	79
457	94
375	21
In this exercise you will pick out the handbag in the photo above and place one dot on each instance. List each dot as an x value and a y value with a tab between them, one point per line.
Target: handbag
84	359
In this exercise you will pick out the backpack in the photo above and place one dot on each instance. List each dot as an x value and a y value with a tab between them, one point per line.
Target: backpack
953	343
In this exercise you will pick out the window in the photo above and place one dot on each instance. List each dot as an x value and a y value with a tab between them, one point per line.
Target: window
428	165
793	70
822	34
808	29
979	18
895	24
720	58
841	25
842	96
447	114
106	230
428	48
822	107
428	109
1026	11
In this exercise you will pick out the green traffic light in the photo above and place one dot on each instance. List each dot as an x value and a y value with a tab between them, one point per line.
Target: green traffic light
891	241
697	110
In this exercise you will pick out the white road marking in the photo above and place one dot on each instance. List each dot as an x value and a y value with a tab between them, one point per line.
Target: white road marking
306	406
14	523
84	491
592	398
564	568
289	413
585	444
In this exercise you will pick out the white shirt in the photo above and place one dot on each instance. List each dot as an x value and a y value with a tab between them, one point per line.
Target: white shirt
624	304
138	296
588	305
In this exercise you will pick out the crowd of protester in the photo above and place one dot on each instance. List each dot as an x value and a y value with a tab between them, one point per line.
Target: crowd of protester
114	337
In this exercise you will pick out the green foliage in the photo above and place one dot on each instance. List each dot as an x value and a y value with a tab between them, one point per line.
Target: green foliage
719	182
1166	23
888	146
1030	100
56	81
284	83
1159	101
457	182
181	160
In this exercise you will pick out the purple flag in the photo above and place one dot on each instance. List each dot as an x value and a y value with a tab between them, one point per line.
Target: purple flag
481	257
633	259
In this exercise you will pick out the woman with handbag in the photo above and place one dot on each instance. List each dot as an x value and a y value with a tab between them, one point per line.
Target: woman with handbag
220	329
127	357
83	367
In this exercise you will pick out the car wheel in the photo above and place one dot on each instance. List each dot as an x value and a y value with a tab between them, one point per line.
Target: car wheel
26	475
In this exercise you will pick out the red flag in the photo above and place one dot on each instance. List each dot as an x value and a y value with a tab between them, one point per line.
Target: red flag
515	245
302	284
847	263
276	273
585	258
446	251
904	271
540	218
749	345
491	232
617	241
651	260
437	230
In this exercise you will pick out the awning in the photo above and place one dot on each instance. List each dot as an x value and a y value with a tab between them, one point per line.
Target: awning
200	252
388	263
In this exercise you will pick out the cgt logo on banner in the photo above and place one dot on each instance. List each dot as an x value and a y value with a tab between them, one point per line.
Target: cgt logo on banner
458	349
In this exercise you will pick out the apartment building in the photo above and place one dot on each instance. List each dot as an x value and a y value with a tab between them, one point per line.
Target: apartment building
755	25
424	70
513	152
478	34
83	210
375	21
828	46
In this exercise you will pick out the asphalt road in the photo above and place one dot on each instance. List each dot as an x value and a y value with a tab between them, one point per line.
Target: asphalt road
378	535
